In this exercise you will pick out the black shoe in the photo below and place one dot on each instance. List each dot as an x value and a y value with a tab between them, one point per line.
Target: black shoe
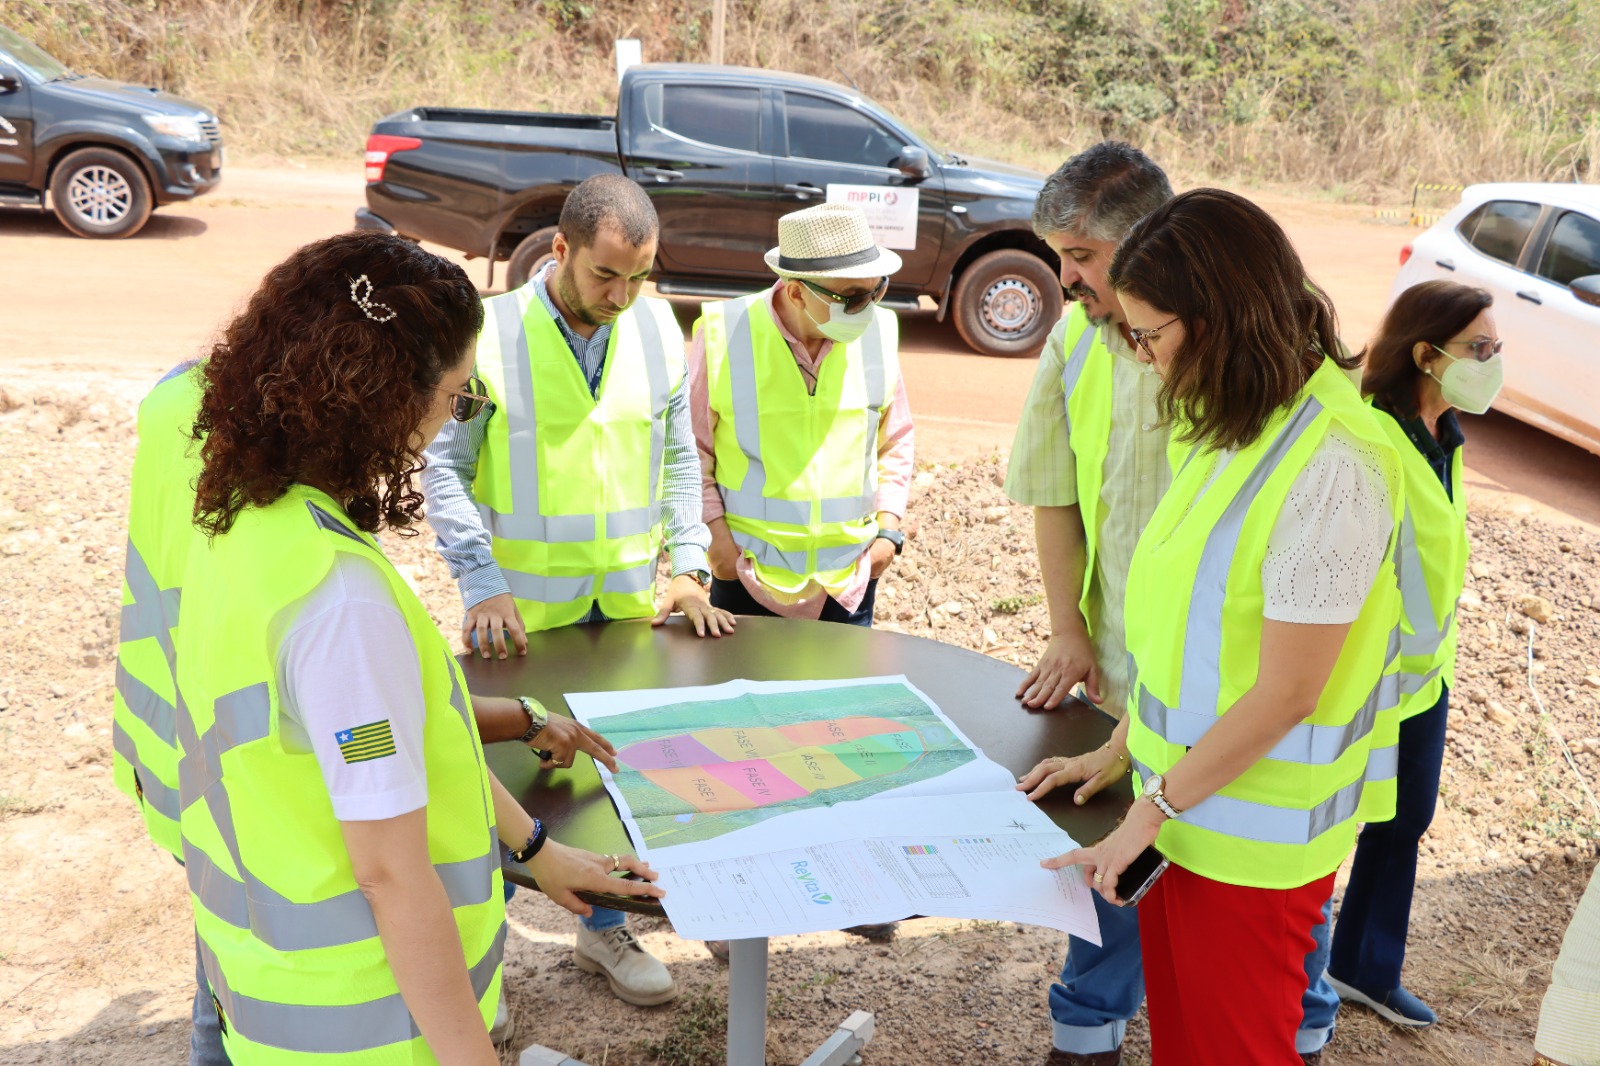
881	933
1058	1057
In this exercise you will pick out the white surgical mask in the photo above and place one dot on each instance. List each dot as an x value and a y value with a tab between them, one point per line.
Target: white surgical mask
1467	384
841	327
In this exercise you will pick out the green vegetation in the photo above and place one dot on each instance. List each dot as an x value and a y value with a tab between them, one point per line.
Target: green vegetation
699	1034
1351	96
1015	604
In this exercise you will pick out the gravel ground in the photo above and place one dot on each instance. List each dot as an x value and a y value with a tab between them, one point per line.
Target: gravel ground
95	958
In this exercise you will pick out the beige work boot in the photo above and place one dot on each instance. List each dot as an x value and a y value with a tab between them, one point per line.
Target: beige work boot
635	975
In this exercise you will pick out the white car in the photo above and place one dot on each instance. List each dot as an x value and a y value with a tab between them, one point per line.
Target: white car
1536	247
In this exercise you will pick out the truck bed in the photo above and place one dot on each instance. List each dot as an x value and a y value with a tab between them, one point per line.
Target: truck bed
546	119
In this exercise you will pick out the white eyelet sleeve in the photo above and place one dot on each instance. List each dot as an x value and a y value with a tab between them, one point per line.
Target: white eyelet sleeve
1330	537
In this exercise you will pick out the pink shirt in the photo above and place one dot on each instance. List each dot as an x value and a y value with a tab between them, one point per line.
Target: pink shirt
895	465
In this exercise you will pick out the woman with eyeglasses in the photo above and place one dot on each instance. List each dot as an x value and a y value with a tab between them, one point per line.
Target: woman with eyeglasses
1436	353
341	832
1263	624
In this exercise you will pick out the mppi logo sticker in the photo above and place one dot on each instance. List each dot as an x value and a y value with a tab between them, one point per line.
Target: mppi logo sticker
809	882
865	197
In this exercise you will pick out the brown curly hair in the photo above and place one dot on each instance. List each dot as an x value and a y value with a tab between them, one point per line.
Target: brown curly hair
306	386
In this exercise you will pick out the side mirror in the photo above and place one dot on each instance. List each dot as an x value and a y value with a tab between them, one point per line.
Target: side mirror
1587	289
913	163
9	84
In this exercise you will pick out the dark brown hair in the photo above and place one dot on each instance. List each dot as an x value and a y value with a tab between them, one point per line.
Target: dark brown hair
1431	312
1256	327
608	200
308	386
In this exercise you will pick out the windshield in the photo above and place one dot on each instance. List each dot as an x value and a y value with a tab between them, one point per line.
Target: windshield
35	60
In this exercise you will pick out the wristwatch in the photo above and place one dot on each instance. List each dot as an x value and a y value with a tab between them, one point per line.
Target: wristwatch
1155	791
702	576
893	536
537	717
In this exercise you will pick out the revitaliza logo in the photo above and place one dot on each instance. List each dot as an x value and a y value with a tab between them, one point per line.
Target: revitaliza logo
808	881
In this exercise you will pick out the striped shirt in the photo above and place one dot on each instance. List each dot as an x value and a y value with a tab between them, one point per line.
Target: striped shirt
453	464
1043	473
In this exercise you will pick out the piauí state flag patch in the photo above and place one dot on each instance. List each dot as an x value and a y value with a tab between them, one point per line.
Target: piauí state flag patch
366	742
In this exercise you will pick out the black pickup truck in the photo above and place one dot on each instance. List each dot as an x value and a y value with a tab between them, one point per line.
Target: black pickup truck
723	152
107	152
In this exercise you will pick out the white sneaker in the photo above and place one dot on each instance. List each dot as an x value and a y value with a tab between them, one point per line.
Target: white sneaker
505	1026
635	975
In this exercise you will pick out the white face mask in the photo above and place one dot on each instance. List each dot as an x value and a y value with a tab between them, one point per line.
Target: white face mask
1467	384
841	327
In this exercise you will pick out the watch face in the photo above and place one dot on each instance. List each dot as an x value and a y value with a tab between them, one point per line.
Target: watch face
1153	784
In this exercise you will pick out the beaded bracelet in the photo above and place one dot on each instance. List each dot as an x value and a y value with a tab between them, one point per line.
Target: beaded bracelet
535	842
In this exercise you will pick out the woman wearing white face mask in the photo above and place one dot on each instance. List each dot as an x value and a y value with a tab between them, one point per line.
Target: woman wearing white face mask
804	432
1437	352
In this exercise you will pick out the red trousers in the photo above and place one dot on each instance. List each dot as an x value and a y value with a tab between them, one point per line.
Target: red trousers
1225	968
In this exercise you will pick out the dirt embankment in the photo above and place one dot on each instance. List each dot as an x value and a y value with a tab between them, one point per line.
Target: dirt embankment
95	949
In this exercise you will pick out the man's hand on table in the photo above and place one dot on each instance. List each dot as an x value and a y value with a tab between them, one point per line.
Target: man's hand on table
489	621
686	594
1067	660
561	872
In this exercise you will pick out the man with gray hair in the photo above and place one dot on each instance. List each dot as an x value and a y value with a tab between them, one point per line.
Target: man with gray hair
1090	457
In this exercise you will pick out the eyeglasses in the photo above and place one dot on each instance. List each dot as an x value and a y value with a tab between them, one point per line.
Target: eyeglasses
465	404
1481	349
855	302
1141	336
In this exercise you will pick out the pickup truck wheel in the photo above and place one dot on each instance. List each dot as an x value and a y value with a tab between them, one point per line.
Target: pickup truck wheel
98	192
1006	302
526	259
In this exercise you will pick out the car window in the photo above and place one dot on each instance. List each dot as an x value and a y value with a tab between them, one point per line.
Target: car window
822	129
1573	250
1500	228
725	116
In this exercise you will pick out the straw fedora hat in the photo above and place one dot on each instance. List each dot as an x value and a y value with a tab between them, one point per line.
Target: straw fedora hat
829	241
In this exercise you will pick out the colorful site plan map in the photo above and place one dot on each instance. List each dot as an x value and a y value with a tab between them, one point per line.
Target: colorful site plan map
697	769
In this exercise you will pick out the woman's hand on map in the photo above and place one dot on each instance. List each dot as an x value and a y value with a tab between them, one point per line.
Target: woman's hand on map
563	738
562	872
1096	769
1103	864
1067	661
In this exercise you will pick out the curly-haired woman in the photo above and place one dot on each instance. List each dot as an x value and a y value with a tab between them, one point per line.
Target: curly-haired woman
339	823
1263	623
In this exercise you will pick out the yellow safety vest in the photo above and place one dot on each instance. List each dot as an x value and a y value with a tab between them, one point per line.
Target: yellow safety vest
569	485
1431	563
798	472
1194	622
1086	386
287	939
144	745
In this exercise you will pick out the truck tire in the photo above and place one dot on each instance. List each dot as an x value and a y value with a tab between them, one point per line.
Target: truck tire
529	256
1006	302
99	192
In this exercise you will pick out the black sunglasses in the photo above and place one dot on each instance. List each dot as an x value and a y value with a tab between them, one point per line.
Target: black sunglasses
855	302
465	404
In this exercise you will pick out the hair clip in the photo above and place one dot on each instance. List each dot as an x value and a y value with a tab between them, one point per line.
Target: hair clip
364	301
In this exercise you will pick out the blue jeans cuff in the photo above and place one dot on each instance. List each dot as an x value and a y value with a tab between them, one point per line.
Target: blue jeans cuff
1308	1041
1089	1039
602	919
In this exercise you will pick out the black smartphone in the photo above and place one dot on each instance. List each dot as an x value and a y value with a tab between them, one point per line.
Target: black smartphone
1143	871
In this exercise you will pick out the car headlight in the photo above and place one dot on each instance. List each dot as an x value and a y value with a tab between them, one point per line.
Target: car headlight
184	129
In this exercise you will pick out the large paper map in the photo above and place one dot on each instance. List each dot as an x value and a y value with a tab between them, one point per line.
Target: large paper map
686	775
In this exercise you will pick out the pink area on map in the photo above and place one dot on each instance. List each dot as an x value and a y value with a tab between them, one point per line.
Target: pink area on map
758	779
664	753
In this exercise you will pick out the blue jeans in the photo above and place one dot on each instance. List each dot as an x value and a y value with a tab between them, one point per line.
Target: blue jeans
205	1039
733	597
1368	947
1102	987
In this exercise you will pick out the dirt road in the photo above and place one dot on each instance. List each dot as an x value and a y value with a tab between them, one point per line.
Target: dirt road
146	303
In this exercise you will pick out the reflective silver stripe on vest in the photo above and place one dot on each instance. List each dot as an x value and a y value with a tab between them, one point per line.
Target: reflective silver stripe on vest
242	717
526	522
332	1030
750	501
155	792
1426	637
543	588
1411	684
1202	654
149	706
154	611
1072	369
1268	824
326	521
1308	744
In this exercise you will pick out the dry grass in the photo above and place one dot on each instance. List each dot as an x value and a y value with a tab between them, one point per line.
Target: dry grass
1360	97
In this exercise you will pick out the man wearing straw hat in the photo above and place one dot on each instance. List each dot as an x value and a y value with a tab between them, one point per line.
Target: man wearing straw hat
804	431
